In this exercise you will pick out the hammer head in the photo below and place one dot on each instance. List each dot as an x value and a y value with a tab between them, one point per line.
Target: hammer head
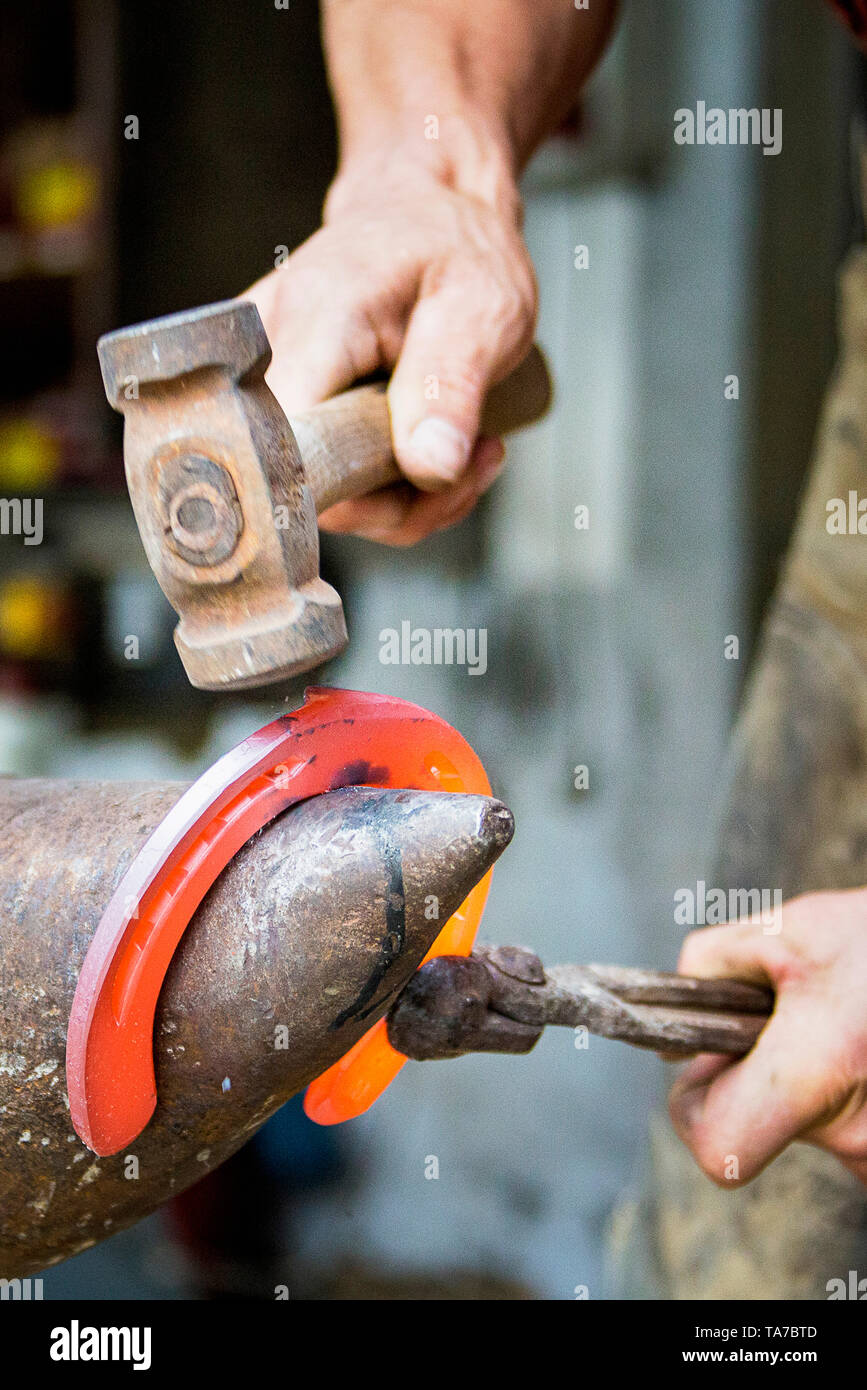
218	489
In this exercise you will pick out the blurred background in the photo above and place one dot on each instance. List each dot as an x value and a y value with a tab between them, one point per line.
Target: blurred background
605	645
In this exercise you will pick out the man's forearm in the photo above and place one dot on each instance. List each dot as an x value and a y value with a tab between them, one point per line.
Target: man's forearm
420	268
497	75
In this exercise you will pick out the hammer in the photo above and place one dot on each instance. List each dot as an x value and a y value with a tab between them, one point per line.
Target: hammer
226	490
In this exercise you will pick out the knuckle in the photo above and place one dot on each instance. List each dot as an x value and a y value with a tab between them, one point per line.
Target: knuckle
464	382
528	289
508	305
363	342
511	308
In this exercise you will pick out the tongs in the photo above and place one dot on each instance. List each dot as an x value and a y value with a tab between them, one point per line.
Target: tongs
500	998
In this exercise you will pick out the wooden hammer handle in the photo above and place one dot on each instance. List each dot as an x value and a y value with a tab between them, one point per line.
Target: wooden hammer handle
345	442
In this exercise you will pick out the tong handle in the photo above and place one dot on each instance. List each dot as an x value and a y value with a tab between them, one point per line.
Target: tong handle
639	986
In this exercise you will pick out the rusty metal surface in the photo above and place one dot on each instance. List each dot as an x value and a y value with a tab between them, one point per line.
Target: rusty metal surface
290	958
502	997
218	490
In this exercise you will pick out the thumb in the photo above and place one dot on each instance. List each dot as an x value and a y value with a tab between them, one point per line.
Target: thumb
460	340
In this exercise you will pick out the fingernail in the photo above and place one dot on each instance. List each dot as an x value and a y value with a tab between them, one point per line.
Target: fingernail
440	448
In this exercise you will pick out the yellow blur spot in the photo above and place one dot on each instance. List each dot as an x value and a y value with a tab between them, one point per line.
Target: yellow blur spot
30	622
29	456
54	195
